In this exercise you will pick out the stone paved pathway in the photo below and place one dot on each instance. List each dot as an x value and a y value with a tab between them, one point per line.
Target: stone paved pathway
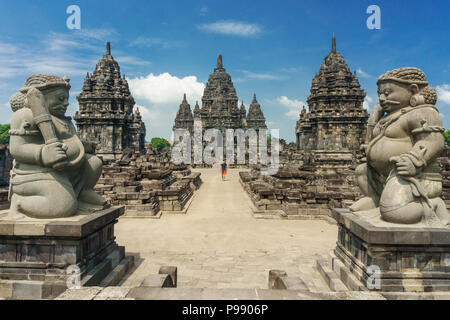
218	244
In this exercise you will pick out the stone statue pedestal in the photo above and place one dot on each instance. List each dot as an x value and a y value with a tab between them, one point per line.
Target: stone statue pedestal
35	254
410	257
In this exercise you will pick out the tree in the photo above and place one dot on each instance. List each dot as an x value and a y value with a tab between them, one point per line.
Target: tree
4	133
159	143
447	136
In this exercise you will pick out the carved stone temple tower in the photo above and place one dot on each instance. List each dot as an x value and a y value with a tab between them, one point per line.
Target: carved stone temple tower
106	111
336	121
220	106
255	117
184	118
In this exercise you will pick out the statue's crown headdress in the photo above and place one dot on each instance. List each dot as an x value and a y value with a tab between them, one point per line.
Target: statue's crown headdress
38	81
45	81
407	75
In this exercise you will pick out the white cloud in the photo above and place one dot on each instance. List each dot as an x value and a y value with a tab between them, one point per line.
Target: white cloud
165	88
152	42
24	63
443	93
292	69
261	76
367	101
124	60
203	11
58	53
79	39
59	42
294	106
363	74
8	48
232	28
148	115
159	97
96	34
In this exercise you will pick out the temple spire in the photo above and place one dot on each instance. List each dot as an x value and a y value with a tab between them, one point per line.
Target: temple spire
219	61
184	98
254	97
108	48
333	44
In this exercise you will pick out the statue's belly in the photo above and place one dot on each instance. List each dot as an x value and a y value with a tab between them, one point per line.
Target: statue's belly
384	149
75	151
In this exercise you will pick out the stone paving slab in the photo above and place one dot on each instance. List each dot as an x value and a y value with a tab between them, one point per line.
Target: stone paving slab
219	244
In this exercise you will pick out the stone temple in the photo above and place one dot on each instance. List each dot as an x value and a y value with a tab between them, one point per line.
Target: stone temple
336	119
317	172
106	111
220	108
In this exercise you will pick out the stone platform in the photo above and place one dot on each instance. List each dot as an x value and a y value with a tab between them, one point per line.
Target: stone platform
35	253
410	257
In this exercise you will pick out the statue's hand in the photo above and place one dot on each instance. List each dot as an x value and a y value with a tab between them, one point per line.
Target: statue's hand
405	167
53	153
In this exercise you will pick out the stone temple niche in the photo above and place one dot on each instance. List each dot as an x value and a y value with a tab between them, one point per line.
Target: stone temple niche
106	111
334	127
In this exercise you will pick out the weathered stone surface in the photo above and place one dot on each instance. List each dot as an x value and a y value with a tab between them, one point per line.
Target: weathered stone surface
278	279
307	192
106	111
6	162
54	170
147	183
316	173
444	164
220	107
410	257
158	281
39	251
335	124
400	176
170	271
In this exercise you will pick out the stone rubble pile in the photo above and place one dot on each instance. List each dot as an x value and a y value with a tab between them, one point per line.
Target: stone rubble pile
307	192
148	183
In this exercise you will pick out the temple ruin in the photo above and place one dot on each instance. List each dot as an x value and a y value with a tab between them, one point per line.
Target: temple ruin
316	173
220	108
106	113
334	127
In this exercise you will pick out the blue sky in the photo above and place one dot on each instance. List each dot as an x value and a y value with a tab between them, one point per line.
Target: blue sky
272	48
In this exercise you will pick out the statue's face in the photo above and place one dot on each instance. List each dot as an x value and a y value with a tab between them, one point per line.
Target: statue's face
393	95
57	101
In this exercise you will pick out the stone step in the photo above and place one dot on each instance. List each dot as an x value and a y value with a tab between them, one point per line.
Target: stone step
31	290
344	274
332	280
95	276
148	293
114	277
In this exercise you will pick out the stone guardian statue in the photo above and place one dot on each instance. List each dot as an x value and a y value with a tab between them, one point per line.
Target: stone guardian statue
401	177
54	172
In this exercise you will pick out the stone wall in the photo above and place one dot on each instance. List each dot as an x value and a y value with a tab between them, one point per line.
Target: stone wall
148	183
5	165
305	193
444	163
310	191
